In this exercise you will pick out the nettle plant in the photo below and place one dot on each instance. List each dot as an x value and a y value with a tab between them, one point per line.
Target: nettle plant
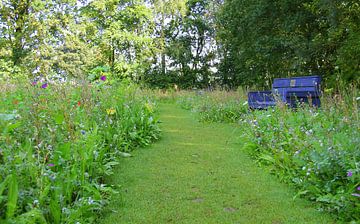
59	141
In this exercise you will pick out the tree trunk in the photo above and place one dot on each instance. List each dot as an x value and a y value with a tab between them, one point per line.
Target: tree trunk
21	11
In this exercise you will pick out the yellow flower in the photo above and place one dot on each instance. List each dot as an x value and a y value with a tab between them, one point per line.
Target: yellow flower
110	111
149	107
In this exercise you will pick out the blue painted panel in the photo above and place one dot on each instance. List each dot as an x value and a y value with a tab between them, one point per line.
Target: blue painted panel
260	99
281	92
294	98
293	90
297	82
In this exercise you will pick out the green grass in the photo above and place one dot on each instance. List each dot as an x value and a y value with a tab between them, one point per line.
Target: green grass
197	173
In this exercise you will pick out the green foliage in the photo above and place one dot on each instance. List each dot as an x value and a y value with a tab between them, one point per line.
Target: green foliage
261	40
313	150
316	150
201	164
57	144
211	107
190	43
186	43
43	37
97	72
121	32
8	71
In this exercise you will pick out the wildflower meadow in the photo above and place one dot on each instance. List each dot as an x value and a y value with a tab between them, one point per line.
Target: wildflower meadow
59	142
317	150
179	111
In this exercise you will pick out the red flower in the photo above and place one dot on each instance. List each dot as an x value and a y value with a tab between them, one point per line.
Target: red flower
79	103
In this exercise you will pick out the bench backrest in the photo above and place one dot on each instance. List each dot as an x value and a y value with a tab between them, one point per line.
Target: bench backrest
291	91
309	84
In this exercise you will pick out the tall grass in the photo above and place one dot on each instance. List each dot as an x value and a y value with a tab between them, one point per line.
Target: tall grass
59	142
315	149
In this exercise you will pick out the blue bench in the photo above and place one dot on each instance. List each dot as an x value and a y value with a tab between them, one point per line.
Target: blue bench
291	91
261	99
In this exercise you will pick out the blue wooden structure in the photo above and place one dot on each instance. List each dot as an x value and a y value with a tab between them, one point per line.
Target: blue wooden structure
261	99
292	91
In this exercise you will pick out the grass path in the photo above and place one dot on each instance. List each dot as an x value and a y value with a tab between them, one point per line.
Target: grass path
197	174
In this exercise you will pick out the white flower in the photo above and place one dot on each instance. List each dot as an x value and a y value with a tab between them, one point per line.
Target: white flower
90	201
309	132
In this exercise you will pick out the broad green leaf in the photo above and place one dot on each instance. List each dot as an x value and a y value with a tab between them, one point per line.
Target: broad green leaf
12	196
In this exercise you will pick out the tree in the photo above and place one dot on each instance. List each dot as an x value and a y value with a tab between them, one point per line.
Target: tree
42	37
121	30
262	39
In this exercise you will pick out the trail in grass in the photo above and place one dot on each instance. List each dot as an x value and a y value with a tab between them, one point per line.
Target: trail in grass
197	173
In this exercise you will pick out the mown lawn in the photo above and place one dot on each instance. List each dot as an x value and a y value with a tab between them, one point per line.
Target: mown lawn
197	173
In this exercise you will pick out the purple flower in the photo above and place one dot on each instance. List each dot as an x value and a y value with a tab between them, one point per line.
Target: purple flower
103	78
44	86
358	188
349	174
51	164
34	83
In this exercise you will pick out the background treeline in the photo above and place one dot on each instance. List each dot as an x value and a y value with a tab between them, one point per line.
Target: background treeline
190	43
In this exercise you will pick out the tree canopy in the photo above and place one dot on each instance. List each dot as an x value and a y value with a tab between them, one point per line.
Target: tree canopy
190	43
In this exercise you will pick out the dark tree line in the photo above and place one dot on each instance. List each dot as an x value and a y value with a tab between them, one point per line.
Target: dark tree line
261	39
